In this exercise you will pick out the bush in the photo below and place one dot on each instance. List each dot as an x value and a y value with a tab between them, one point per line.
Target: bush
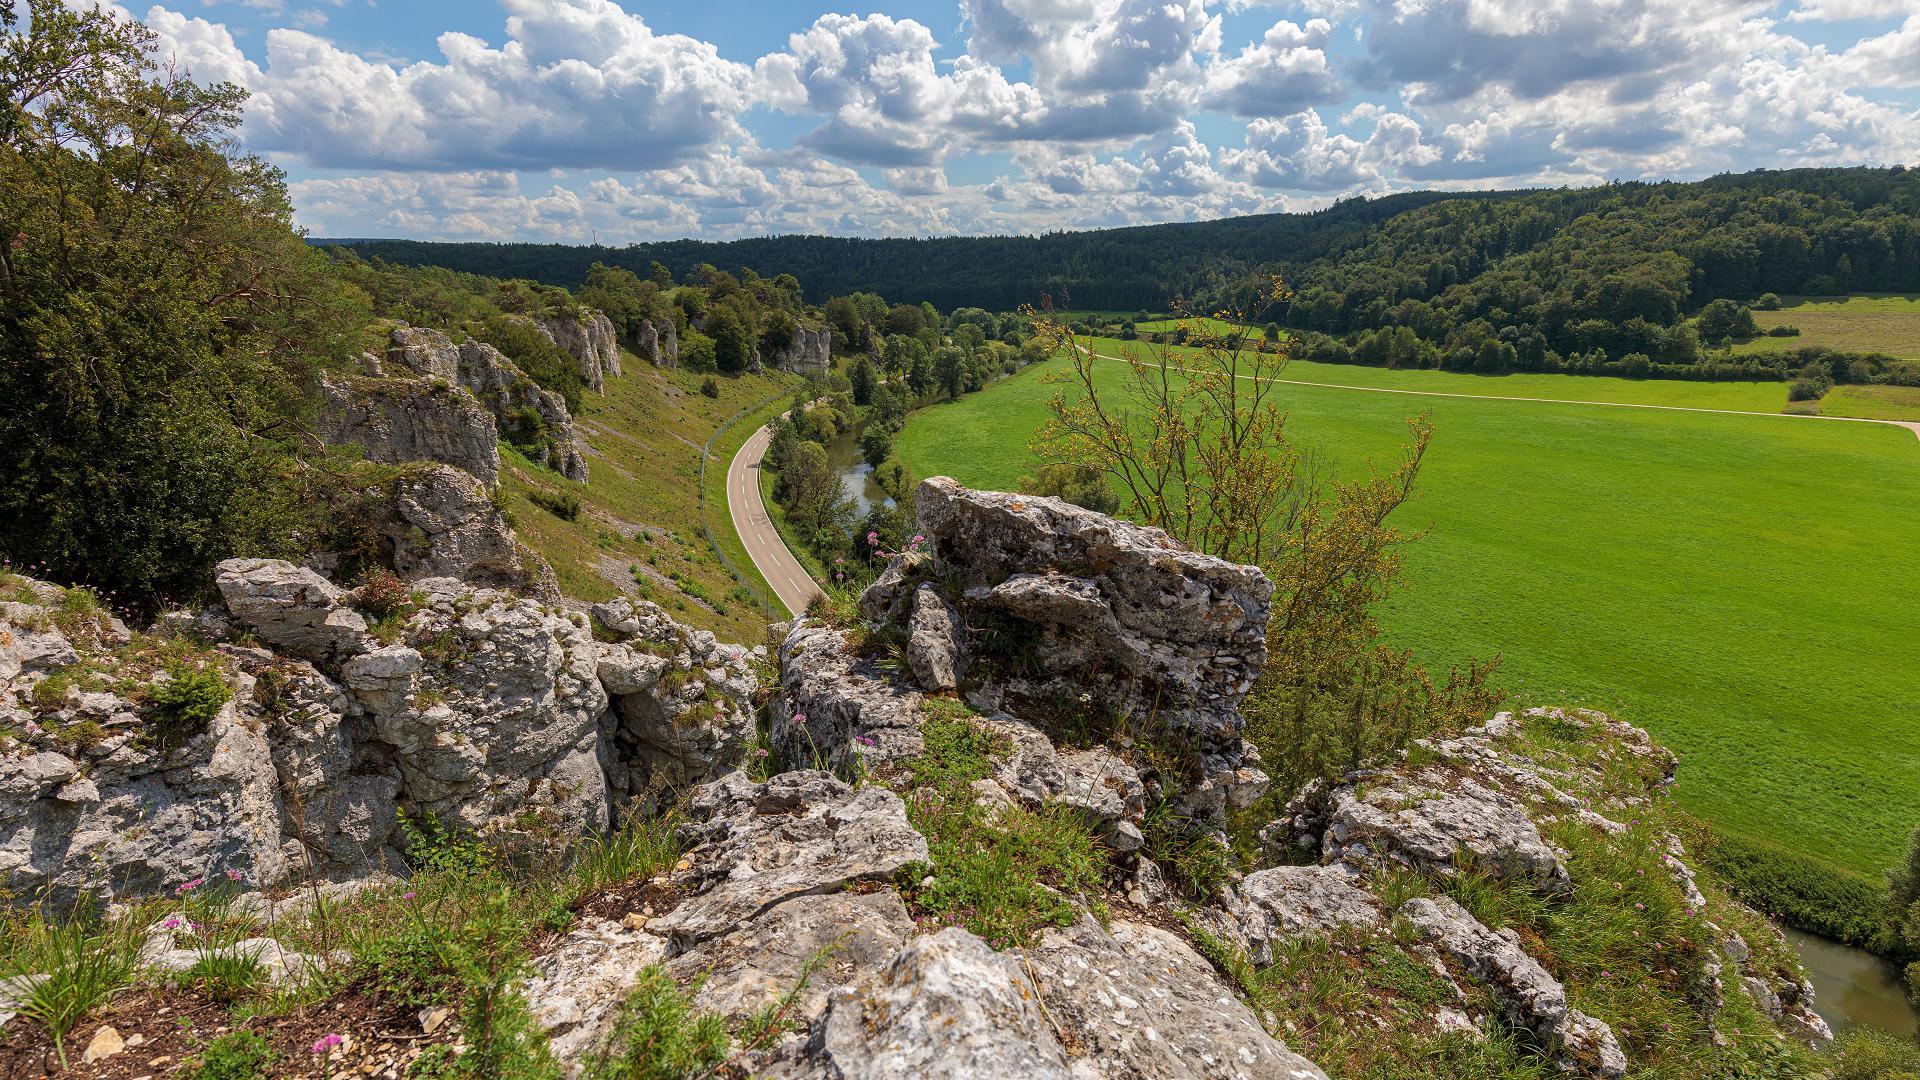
1767	302
1802	892
564	505
543	361
382	593
1872	1055
186	703
1784	330
710	388
237	1055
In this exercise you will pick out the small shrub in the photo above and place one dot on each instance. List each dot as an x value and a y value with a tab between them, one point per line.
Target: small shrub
564	505
710	387
1784	330
237	1055
657	1036
381	593
432	847
186	703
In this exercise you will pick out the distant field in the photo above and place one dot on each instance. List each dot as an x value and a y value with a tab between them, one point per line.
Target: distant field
1882	322
1767	397
1740	585
1873	402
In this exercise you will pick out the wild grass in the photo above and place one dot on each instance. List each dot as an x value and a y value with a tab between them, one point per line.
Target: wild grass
1872	402
1720	580
59	969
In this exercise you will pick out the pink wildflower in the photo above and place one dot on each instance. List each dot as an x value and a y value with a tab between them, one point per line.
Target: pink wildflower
233	875
186	887
799	719
326	1042
407	896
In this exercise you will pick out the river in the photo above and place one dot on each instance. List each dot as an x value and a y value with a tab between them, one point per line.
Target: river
856	476
1853	988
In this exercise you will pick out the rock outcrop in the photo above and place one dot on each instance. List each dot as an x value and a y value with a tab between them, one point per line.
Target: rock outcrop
400	420
659	345
1063	605
810	352
523	410
442	524
492	712
587	336
1533	999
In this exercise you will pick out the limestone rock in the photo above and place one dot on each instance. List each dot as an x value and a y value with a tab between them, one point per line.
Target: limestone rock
1532	998
1151	629
1432	818
809	352
444	524
400	420
587	336
851	936
499	385
1293	901
292	608
850	708
576	989
752	846
947	1008
682	701
1093	780
1136	1001
660	345
936	642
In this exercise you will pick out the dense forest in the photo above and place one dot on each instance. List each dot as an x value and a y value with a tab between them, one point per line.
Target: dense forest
1625	278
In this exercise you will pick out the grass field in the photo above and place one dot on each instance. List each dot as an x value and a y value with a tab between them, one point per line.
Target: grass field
1739	585
1878	322
1873	402
638	529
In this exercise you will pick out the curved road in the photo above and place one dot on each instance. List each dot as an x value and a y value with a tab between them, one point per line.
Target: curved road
769	553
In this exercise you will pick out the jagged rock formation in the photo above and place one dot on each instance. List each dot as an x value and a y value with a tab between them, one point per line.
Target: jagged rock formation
1065	605
399	420
810	351
480	707
587	336
514	398
660	345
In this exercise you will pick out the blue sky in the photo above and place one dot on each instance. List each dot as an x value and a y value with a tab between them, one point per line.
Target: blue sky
577	120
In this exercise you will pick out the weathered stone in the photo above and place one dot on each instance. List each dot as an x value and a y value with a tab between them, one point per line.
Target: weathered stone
752	846
587	336
835	708
846	937
670	733
401	420
576	989
1136	1001
1094	781
1532	998
499	385
947	1008
292	608
1150	629
659	345
1432	819
444	524
810	351
936	642
1293	901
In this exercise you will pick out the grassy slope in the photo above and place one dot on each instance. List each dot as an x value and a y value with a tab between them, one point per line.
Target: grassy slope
640	504
1878	322
1736	584
1873	402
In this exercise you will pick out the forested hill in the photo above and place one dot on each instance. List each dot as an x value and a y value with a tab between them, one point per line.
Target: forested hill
1683	244
1110	269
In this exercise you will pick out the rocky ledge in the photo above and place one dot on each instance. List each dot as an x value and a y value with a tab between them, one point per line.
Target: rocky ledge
965	848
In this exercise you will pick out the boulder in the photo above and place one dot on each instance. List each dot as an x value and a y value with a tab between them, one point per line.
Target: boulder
1532	998
659	345
1433	819
292	608
576	989
1136	1001
1295	901
936	642
1094	781
835	708
947	1008
400	420
753	846
809	943
442	523
587	336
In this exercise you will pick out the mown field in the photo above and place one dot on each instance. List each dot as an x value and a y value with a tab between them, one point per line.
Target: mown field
1873	402
1876	322
1738	584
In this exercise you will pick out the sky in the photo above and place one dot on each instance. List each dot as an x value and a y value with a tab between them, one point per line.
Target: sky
618	122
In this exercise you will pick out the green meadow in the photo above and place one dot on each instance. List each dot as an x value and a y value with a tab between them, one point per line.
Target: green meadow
1873	322
1740	585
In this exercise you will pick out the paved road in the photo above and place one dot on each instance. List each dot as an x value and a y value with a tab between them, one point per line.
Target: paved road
1910	425
749	512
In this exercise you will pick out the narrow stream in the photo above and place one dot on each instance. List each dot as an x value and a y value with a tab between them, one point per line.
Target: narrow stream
1853	988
